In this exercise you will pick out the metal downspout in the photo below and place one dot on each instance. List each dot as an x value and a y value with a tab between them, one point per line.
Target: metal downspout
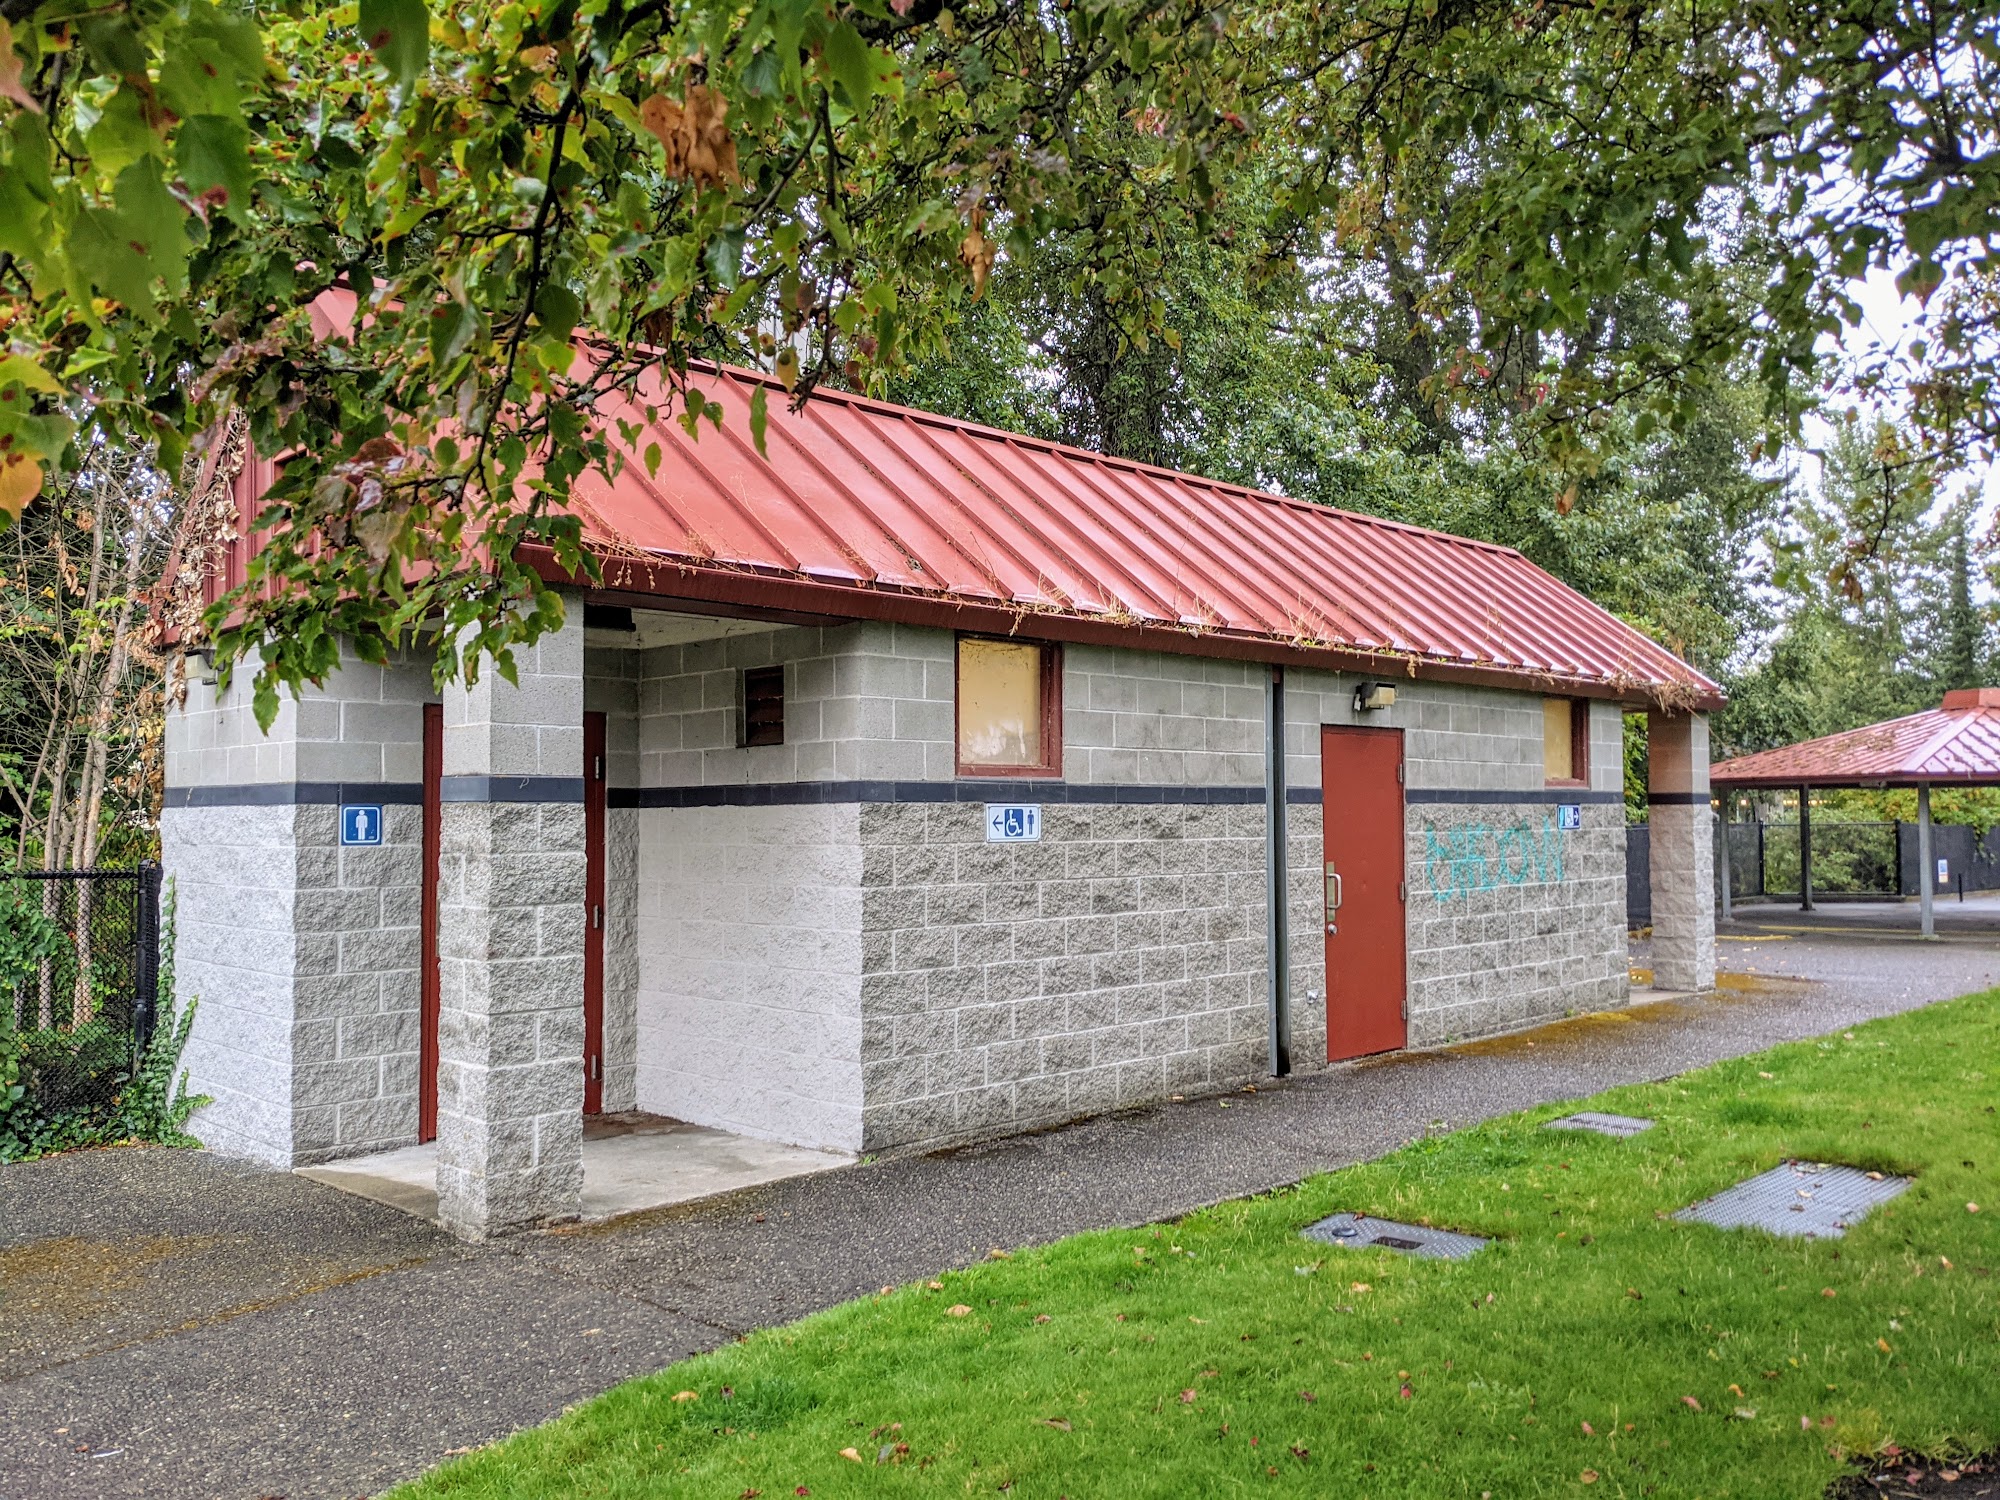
1277	926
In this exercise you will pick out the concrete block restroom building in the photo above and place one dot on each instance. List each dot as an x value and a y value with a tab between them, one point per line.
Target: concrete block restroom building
912	784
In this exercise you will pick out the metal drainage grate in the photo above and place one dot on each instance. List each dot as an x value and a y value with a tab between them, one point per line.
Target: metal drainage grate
1801	1199
1359	1232
1589	1119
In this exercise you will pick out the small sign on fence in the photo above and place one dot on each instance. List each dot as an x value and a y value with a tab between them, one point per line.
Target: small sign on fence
361	823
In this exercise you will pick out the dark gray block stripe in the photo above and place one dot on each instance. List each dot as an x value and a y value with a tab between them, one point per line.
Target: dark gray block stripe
806	793
1548	796
298	794
803	793
1679	799
511	789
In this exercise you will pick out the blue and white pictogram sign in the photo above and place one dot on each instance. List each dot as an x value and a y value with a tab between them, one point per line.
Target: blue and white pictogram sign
361	823
1569	815
1013	823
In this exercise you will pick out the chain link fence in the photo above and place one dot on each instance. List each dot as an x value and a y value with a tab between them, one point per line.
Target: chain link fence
79	982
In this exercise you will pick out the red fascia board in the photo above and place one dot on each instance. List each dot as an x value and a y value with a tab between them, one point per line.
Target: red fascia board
666	583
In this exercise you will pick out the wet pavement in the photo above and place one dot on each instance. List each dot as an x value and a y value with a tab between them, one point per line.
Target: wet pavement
177	1325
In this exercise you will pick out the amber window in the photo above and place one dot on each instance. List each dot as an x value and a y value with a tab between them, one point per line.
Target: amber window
1007	714
1565	740
764	706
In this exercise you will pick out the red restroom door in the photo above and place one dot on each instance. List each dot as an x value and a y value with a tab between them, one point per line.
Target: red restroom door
1361	782
427	924
593	901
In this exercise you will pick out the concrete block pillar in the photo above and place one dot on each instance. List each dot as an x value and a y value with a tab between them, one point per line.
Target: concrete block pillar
1683	851
510	943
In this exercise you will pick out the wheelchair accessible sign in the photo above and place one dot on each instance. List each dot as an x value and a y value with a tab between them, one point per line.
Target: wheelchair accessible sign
1013	823
361	824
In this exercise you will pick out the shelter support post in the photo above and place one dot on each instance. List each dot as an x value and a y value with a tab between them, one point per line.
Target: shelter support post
1926	871
1683	851
1277	928
1805	849
510	943
1722	855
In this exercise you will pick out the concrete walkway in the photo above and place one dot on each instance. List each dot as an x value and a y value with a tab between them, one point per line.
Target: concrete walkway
175	1325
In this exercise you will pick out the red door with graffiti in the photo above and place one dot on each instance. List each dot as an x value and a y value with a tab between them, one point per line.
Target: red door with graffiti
1367	959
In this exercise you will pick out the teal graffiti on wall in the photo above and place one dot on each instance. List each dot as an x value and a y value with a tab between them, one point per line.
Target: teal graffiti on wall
1481	857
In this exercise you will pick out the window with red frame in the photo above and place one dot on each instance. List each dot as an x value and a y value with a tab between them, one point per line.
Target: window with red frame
1009	708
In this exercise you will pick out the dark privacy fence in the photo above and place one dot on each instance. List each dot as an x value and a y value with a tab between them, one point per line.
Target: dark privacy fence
83	1011
1848	859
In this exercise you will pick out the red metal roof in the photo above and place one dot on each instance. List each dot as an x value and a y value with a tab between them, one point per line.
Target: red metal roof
861	508
1957	742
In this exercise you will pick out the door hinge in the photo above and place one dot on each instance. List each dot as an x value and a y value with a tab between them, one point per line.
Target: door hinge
597	768
596	1067
1399	773
597	917
1402	890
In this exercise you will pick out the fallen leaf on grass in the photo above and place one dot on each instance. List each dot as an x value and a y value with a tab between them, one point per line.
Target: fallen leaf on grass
1302	1454
1361	1286
1307	1396
1059	1423
1972	1208
957	1310
1187	1397
1193	1319
686	1396
1735	1390
1690	1403
1406	1392
1588	1430
1588	1476
1827	1291
999	1255
1746	1413
1883	1345
1041	1317
936	1286
852	1455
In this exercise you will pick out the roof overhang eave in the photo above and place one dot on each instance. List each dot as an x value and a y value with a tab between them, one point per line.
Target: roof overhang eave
641	581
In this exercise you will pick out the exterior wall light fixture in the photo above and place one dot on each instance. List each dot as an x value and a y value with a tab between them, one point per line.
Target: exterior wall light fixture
1370	697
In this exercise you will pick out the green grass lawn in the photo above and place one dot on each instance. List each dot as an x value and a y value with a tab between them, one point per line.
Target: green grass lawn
1597	1348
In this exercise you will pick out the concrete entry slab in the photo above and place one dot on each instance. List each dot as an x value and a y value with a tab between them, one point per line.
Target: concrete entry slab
1800	1200
1601	1124
1360	1232
631	1162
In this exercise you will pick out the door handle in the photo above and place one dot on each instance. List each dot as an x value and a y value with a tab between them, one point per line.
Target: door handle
1333	895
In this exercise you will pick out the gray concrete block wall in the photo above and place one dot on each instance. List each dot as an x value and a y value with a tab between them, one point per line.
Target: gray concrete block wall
510	949
1005	986
303	954
750	960
1141	717
231	872
1512	921
364	724
866	701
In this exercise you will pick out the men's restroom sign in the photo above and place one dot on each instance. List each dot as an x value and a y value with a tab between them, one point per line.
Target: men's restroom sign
361	823
1013	823
1569	815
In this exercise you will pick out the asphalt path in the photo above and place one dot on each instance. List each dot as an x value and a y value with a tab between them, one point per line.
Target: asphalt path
177	1326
